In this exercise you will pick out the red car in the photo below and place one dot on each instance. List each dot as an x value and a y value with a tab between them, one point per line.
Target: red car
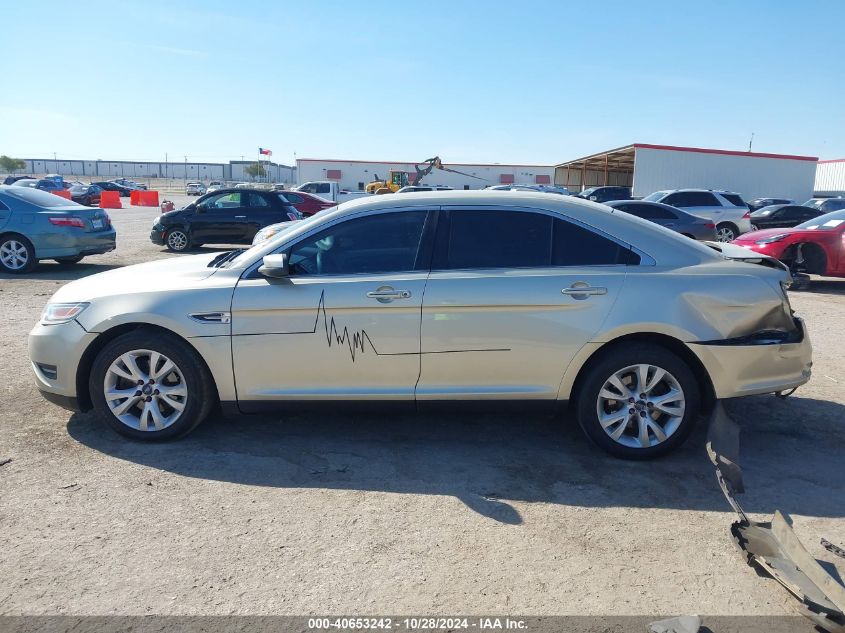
816	246
307	204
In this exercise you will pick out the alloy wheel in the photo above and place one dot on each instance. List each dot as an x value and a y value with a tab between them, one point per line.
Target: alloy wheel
145	390
641	406
725	234
14	254
177	240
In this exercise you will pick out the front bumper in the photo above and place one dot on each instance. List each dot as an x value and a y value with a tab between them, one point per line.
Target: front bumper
157	235
739	369
55	352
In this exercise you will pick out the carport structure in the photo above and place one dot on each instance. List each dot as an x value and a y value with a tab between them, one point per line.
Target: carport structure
646	168
613	167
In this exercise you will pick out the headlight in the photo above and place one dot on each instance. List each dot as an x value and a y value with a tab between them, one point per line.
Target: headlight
769	240
61	312
157	221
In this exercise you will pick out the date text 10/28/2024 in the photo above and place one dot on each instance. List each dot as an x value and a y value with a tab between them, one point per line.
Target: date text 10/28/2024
417	623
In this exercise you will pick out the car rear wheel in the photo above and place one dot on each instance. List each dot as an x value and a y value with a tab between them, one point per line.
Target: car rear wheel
726	232
638	401
150	386
66	261
177	240
17	255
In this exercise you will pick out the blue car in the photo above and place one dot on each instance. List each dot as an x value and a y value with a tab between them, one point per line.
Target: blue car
37	225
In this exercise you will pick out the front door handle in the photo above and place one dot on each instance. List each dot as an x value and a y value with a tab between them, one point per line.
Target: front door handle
386	294
582	290
240	217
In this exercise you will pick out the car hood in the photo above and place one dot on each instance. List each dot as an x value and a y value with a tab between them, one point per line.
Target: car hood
173	273
753	236
739	253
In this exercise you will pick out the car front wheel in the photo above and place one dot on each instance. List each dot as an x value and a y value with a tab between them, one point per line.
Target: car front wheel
17	255
638	401
177	240
151	386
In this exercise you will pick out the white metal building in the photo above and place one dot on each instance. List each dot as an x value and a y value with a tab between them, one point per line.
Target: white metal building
190	170
830	178
647	168
354	175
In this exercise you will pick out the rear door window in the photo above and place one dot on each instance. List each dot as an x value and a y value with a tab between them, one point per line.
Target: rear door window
498	239
692	199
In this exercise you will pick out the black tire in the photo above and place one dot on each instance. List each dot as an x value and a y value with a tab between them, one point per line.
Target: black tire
616	359
175	243
21	245
67	261
202	395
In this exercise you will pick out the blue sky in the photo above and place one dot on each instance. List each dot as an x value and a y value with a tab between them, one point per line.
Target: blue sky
521	82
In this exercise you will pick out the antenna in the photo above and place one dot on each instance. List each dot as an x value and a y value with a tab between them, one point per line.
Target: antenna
750	142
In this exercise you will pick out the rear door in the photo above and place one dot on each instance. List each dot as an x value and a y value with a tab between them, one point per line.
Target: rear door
513	294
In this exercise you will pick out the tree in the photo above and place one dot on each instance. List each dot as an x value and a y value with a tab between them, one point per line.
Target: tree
255	170
11	165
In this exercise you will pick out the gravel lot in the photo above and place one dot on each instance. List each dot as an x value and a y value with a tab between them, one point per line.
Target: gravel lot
363	514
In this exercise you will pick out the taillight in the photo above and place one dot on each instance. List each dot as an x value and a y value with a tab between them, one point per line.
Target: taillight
710	225
747	215
68	220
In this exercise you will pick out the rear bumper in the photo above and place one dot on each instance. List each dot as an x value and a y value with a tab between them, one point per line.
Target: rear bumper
739	369
70	244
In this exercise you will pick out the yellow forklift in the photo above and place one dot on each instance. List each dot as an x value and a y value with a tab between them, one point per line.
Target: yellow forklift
397	179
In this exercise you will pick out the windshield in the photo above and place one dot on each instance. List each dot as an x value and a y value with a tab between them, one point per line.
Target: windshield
38	198
587	192
268	246
826	222
655	197
814	203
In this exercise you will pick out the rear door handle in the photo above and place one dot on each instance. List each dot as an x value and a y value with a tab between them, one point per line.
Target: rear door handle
240	217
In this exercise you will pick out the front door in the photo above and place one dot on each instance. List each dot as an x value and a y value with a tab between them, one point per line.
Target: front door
220	219
512	296
344	324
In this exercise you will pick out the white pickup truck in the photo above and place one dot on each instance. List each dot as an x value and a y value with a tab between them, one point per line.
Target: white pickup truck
330	191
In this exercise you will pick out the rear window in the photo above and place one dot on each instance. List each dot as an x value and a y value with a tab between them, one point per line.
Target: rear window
38	198
735	199
826	222
833	205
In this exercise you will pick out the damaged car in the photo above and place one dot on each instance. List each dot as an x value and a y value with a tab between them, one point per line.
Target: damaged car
428	299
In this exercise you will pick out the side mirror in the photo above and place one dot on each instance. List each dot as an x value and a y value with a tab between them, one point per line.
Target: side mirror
594	198
275	266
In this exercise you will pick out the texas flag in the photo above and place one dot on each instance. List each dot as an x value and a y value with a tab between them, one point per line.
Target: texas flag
264	152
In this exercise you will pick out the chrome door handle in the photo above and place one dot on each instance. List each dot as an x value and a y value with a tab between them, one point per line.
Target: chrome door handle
385	294
581	290
240	217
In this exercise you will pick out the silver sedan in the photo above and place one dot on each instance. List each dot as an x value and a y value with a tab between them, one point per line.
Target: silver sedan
428	298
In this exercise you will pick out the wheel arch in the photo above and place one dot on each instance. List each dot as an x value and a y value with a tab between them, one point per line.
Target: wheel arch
670	343
86	362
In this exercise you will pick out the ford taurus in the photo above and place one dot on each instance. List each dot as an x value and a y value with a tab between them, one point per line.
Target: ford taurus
430	298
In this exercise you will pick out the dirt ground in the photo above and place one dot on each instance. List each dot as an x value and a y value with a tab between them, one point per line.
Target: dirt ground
360	514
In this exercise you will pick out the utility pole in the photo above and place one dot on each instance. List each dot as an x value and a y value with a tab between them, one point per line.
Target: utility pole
186	170
165	165
751	141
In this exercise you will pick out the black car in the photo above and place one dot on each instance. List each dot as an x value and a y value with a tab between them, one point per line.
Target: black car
781	216
605	194
11	180
671	217
89	195
113	186
759	203
225	216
